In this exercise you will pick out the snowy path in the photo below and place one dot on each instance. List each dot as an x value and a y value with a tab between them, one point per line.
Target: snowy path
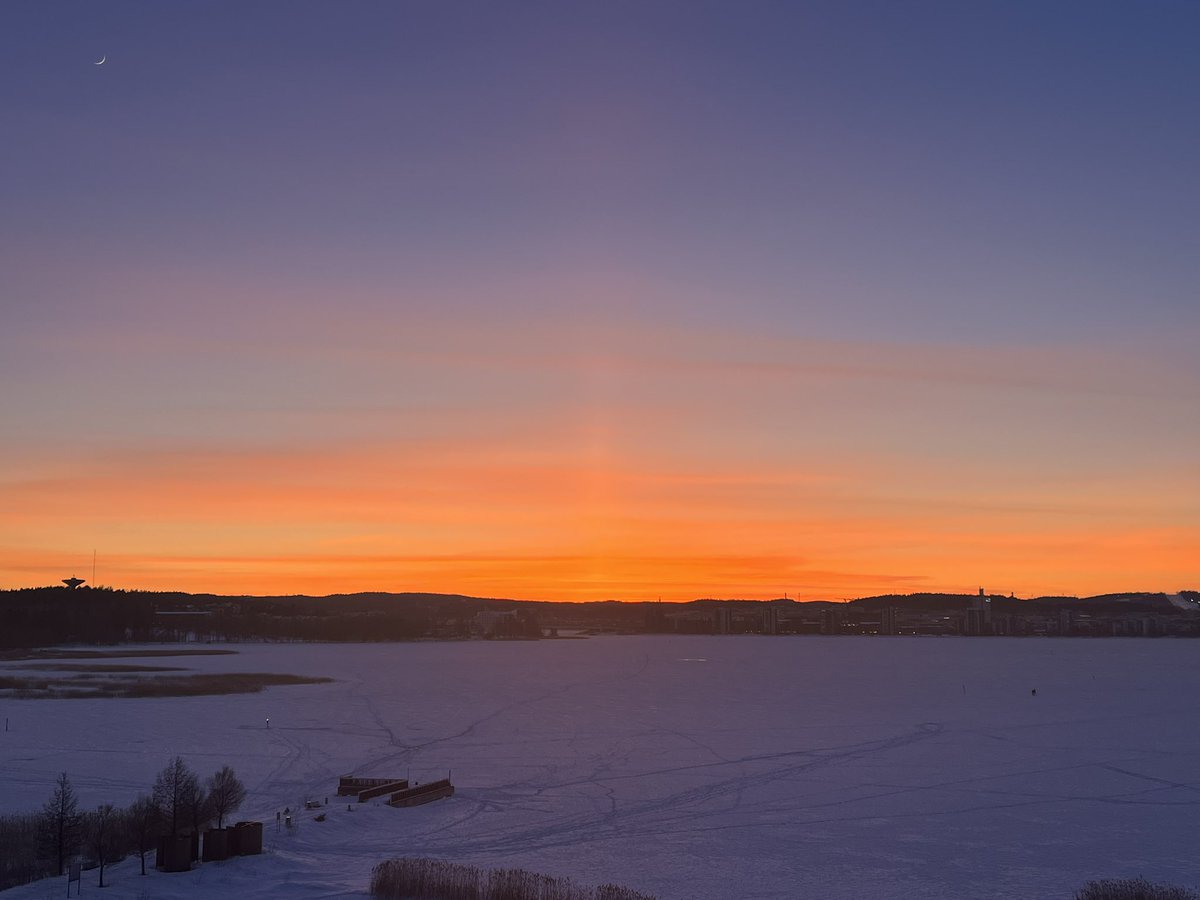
691	767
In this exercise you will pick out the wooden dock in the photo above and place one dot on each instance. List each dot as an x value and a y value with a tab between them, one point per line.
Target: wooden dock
423	793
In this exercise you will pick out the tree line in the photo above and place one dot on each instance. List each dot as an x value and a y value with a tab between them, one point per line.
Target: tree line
40	617
42	844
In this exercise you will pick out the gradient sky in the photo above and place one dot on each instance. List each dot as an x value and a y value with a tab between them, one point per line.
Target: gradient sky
622	300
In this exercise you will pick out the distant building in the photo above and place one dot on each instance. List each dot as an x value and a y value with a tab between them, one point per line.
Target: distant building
723	620
1066	622
655	618
1005	624
770	619
488	621
976	622
887	622
72	582
978	619
831	621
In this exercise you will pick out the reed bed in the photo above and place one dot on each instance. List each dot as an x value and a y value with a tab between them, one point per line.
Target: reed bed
434	879
1132	889
111	684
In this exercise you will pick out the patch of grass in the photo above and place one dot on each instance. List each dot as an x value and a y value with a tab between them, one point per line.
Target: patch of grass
24	683
1132	889
15	655
228	683
91	685
99	667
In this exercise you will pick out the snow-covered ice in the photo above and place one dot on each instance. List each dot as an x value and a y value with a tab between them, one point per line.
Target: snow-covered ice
695	768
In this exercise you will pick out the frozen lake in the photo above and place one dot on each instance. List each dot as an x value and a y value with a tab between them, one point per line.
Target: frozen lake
695	768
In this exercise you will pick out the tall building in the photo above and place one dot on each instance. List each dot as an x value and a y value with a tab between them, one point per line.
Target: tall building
770	619
887	620
655	619
723	620
831	621
978	619
1066	622
974	622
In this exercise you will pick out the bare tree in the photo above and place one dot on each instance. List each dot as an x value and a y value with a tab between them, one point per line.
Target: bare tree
199	808
226	793
102	827
61	823
144	823
175	790
22	856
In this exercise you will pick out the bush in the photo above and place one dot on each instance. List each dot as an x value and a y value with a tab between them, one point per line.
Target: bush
432	879
1132	889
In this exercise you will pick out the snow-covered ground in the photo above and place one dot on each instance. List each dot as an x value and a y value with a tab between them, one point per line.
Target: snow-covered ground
695	768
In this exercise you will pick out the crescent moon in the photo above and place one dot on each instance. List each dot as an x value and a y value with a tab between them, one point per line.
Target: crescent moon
102	59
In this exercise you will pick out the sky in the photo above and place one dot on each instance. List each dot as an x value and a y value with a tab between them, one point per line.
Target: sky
614	300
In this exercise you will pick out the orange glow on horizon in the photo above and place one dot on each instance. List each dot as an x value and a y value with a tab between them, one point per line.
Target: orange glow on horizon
621	475
456	521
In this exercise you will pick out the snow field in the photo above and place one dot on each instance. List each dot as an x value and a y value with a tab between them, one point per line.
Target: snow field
695	768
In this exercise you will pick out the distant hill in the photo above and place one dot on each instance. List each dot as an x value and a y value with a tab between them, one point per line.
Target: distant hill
1100	604
35	617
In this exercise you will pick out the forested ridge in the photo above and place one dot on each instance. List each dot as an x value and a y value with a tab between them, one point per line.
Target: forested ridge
40	617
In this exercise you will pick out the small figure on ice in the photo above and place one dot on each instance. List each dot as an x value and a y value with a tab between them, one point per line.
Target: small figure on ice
1033	693
268	721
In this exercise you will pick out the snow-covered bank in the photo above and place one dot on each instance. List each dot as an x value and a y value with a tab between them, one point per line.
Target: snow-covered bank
690	767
